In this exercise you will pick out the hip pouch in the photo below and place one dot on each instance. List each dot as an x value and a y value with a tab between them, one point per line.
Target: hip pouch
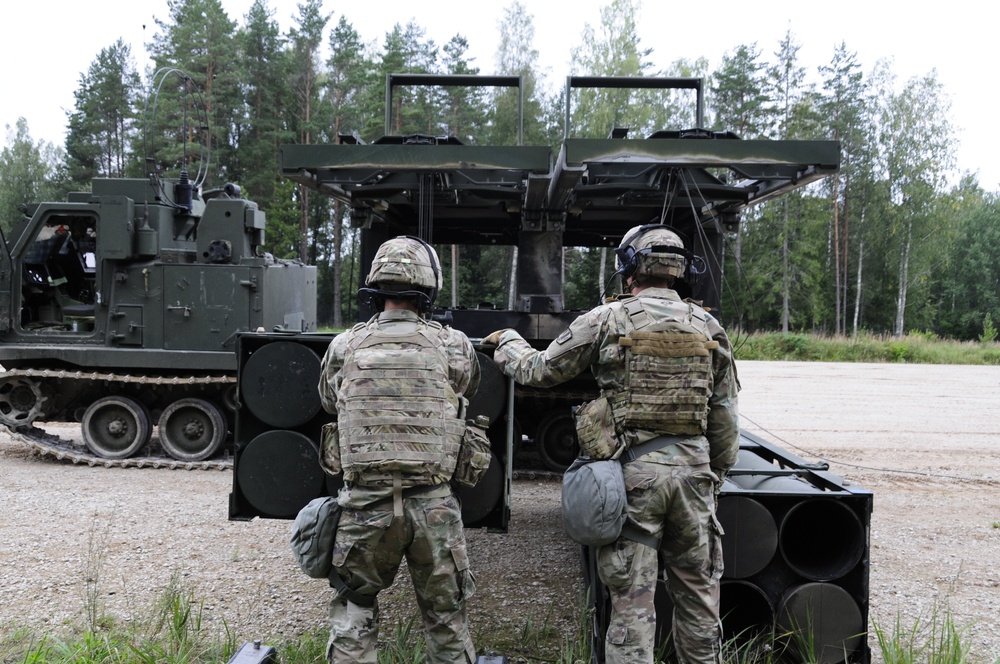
595	430
329	449
473	455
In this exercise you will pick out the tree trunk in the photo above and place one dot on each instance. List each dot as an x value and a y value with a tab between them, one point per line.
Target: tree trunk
904	276
838	329
602	272
785	276
306	140
845	255
857	294
512	293
304	225
338	319
738	259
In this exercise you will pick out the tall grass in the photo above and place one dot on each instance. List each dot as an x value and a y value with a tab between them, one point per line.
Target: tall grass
935	640
172	633
913	348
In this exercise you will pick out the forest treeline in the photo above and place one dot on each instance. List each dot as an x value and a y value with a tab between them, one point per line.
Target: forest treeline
890	244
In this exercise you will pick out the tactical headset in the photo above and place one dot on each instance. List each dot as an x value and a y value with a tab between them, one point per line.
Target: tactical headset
628	256
425	306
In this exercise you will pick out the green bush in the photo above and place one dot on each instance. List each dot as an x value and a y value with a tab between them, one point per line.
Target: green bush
989	334
913	348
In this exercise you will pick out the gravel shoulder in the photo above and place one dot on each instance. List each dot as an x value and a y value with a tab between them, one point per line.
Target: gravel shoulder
924	439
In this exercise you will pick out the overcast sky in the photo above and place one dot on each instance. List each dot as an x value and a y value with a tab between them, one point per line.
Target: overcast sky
48	44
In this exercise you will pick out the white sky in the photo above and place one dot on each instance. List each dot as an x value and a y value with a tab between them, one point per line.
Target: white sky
48	44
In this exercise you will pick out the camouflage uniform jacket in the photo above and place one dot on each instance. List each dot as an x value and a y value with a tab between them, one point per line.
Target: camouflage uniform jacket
592	341
463	375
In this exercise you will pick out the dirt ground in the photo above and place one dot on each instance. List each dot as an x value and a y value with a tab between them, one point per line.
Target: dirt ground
924	439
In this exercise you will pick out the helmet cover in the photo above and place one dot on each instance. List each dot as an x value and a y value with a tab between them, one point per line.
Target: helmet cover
405	263
637	256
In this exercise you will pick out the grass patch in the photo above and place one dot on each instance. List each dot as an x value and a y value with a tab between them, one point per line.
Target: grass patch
172	633
913	348
935	639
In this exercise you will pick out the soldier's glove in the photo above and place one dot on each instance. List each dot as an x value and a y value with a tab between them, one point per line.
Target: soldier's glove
493	338
721	474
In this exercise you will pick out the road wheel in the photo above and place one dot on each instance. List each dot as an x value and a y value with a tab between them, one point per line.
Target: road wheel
556	440
192	429
21	401
116	427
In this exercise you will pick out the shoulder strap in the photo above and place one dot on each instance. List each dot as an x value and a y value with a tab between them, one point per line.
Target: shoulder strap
641	536
652	445
633	307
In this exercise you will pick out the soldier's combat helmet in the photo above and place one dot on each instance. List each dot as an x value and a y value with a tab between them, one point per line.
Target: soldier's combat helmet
404	267
652	250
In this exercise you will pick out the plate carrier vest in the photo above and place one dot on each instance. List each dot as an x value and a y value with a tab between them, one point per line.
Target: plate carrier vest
669	375
396	408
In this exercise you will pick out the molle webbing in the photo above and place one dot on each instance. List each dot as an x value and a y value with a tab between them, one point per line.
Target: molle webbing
668	345
397	411
669	374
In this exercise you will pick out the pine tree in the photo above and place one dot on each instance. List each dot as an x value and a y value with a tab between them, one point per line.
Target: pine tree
349	79
843	109
306	83
198	40
103	127
260	125
740	94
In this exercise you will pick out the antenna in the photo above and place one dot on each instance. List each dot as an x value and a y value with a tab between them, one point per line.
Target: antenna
199	107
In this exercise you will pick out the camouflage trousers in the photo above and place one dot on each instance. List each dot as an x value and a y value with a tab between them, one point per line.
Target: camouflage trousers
369	548
678	504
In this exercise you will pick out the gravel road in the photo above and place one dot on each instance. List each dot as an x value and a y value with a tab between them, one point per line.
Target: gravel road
924	439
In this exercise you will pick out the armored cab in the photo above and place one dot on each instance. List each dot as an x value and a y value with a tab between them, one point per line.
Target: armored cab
119	309
796	543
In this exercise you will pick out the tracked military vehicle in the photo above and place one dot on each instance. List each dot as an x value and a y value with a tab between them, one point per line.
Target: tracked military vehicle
796	542
119	309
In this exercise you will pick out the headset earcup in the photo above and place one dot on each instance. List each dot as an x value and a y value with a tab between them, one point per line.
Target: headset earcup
629	260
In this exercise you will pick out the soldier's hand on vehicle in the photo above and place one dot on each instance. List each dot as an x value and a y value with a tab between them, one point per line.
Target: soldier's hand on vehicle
493	338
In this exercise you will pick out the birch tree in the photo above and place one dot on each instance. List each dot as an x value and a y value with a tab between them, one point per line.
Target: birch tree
917	146
844	111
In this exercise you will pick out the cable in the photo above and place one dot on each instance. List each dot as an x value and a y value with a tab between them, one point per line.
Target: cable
157	81
873	468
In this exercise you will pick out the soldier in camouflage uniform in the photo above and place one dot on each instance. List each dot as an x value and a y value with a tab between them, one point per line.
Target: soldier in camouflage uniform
665	369
399	385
